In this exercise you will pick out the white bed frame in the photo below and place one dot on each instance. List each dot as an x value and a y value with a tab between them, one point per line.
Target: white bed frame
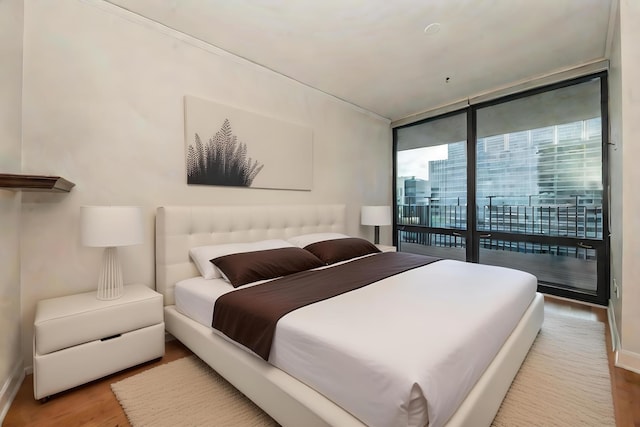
287	400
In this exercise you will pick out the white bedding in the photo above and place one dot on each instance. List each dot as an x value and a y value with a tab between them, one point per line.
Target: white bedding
380	350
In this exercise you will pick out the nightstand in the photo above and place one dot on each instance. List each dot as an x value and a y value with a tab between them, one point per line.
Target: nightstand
384	248
78	338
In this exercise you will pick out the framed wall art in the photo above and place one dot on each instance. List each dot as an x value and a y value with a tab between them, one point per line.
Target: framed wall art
234	147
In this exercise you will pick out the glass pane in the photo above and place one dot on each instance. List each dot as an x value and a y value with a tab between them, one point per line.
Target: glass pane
539	164
431	183
566	267
433	244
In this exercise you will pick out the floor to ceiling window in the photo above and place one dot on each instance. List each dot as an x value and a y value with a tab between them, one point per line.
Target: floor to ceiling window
431	191
517	182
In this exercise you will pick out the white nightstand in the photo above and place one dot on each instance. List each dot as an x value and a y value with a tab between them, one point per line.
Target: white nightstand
79	338
384	248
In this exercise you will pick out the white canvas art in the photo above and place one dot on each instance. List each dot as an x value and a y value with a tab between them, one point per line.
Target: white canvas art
234	147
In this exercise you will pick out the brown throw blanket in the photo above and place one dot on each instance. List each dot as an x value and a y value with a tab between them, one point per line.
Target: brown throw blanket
249	315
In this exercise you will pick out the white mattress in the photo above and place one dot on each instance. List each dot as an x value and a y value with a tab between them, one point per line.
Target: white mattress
401	352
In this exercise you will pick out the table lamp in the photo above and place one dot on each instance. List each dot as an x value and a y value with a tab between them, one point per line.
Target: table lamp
110	227
376	216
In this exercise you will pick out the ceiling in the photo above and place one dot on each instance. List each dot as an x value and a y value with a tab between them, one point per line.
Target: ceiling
377	55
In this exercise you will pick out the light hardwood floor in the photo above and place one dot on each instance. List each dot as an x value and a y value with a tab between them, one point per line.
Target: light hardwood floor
95	405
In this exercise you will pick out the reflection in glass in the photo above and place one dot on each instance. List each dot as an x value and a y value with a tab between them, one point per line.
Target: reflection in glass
433	244
566	267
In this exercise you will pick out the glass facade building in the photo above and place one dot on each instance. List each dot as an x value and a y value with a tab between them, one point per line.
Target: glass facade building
541	181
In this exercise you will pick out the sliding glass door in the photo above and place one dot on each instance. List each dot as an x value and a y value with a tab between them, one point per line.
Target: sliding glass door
518	182
539	194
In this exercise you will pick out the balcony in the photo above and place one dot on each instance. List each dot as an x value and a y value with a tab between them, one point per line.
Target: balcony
572	266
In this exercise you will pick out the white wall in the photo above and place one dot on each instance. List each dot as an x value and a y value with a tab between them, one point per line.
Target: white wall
615	171
11	24
103	107
630	99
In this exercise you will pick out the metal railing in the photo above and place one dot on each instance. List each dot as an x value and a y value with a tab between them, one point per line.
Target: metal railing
582	221
554	220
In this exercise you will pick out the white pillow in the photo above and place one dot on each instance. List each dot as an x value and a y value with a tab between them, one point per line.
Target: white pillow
202	255
307	239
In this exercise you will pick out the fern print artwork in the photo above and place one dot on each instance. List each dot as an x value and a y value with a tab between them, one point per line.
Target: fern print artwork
238	148
223	160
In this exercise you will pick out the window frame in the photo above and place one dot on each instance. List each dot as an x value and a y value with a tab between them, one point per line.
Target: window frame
473	236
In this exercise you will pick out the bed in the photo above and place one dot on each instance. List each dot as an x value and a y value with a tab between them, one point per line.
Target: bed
288	398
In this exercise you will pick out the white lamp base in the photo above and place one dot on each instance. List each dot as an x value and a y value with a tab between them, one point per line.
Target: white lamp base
110	281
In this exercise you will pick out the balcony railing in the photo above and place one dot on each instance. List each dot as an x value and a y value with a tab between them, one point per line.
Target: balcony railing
581	221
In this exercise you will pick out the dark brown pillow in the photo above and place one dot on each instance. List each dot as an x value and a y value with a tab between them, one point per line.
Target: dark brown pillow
336	250
249	267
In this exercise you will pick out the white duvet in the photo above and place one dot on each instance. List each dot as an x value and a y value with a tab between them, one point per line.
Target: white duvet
404	351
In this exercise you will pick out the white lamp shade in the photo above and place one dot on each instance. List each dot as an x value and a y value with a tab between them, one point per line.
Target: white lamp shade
111	226
376	215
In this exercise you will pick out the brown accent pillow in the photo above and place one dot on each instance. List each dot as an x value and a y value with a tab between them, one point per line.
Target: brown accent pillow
336	250
249	267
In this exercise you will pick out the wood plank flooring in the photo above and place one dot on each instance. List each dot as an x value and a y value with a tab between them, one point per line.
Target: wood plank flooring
95	405
92	404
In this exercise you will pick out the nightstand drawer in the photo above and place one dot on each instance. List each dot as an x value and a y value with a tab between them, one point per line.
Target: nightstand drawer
82	318
64	369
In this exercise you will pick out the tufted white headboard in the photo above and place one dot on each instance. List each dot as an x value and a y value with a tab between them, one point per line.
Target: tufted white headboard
179	228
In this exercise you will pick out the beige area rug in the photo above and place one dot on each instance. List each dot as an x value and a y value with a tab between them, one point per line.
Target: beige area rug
186	392
564	381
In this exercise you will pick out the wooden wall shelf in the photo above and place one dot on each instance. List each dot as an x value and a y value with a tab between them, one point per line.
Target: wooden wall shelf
22	182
